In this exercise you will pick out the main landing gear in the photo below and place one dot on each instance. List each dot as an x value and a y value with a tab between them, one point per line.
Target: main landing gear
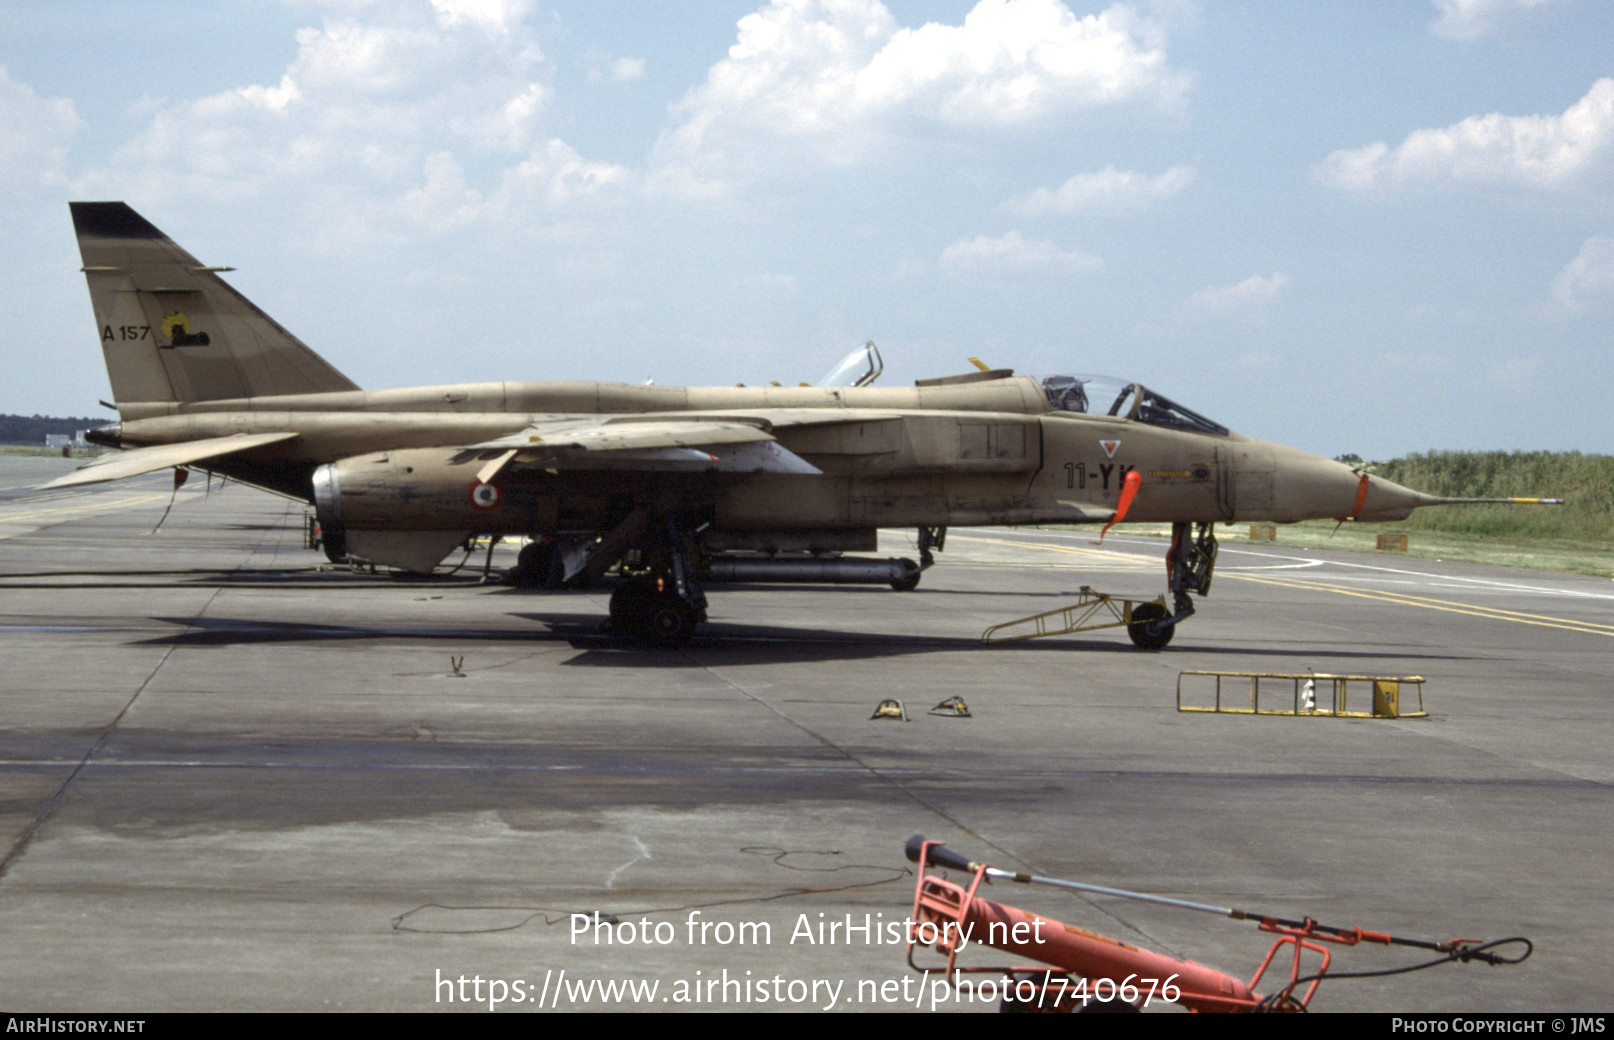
646	610
1190	562
539	565
663	606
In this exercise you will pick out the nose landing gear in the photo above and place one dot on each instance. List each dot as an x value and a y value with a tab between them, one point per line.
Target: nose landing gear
1190	562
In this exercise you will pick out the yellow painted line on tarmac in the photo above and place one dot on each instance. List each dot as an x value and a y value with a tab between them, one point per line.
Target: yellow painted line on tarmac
89	505
1445	605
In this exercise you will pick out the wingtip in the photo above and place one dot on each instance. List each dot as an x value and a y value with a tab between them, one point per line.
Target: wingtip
73	479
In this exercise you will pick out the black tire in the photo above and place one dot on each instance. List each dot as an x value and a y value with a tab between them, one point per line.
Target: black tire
332	543
667	620
535	564
629	604
645	613
1146	635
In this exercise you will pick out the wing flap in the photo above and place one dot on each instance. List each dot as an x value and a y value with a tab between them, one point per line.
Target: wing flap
134	461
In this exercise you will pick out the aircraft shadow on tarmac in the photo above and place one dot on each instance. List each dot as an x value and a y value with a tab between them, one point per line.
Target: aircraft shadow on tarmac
760	644
201	577
293	781
470	576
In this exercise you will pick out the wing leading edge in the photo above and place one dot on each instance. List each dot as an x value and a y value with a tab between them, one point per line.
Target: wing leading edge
132	462
701	443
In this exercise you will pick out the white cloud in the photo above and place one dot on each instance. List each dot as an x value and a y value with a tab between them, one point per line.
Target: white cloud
1107	190
436	112
1254	291
626	70
554	174
1587	280
601	66
494	15
34	134
840	76
1466	19
1014	252
1543	153
507	127
444	202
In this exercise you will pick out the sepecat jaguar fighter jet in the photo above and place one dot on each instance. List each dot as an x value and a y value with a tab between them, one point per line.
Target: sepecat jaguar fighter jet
669	488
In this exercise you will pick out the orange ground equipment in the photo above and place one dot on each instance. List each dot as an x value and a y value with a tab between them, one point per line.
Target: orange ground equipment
1093	972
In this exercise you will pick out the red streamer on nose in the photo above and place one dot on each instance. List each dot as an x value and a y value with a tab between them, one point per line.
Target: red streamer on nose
1361	496
1129	491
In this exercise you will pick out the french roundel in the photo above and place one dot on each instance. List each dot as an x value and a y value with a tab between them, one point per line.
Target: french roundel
484	496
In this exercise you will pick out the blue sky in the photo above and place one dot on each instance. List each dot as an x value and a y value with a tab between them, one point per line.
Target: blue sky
1370	227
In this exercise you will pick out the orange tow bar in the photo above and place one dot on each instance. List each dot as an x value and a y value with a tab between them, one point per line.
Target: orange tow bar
1096	972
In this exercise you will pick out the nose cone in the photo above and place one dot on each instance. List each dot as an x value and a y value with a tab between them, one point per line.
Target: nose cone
1310	487
1387	500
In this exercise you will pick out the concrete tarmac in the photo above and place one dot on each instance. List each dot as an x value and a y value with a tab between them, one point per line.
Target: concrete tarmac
233	779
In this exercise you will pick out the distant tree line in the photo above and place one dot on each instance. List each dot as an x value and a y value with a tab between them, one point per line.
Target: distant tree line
1584	482
31	429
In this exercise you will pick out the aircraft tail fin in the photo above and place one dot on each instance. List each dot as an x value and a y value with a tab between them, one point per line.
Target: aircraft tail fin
172	330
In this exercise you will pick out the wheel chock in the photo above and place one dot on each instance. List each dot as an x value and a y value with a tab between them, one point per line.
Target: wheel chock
890	708
953	707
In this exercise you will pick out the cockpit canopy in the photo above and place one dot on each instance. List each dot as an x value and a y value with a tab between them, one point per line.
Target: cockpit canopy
859	368
1106	395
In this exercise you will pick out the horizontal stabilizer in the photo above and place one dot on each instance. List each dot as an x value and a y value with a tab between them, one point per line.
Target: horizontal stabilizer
136	461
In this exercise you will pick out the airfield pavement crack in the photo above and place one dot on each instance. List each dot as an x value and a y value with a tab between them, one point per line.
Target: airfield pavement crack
874	771
1121	919
48	809
826	742
54	802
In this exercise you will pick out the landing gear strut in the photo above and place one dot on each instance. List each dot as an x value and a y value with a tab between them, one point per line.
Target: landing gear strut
929	538
1189	564
554	562
662	607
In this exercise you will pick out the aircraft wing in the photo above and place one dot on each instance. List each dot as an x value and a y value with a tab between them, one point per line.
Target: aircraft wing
571	437
135	461
660	442
769	418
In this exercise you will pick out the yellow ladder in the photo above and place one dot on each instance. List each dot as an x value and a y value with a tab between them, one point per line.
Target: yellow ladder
1386	691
